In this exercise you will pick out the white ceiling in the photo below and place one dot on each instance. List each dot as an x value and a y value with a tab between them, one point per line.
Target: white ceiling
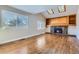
35	9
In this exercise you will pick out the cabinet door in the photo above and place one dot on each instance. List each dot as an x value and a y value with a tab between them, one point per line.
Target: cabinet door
63	21
72	20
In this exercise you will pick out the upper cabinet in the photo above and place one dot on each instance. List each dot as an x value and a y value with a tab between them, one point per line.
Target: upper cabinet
72	20
62	21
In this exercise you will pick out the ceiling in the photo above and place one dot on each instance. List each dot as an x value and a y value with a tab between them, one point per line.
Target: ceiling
35	9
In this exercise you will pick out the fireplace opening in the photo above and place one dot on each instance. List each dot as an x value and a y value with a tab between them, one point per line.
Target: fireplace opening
58	30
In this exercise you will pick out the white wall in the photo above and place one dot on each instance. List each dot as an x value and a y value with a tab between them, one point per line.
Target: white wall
11	34
48	29
77	31
33	24
72	30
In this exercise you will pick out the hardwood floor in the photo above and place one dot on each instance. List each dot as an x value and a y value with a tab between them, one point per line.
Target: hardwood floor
43	44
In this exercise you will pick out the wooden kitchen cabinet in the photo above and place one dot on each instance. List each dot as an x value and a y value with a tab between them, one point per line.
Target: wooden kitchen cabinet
61	21
72	20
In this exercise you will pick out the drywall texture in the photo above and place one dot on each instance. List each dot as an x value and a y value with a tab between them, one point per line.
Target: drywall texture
11	34
77	25
72	30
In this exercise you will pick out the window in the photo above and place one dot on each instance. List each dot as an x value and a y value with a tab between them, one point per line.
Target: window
22	20
11	19
40	25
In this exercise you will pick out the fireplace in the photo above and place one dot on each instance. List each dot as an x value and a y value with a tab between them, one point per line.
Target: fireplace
59	30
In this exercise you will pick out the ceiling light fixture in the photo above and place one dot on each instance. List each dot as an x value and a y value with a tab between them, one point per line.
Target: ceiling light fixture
61	8
50	11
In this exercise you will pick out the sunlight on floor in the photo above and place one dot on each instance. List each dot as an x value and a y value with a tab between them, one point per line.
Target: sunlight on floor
40	43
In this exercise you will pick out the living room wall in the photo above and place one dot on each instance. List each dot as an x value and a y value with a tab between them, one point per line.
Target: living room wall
12	34
77	25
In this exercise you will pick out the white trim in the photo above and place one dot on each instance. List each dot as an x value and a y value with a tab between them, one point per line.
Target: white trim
20	38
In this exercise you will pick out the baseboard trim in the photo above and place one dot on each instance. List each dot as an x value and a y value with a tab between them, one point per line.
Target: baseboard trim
21	38
48	33
61	34
72	35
